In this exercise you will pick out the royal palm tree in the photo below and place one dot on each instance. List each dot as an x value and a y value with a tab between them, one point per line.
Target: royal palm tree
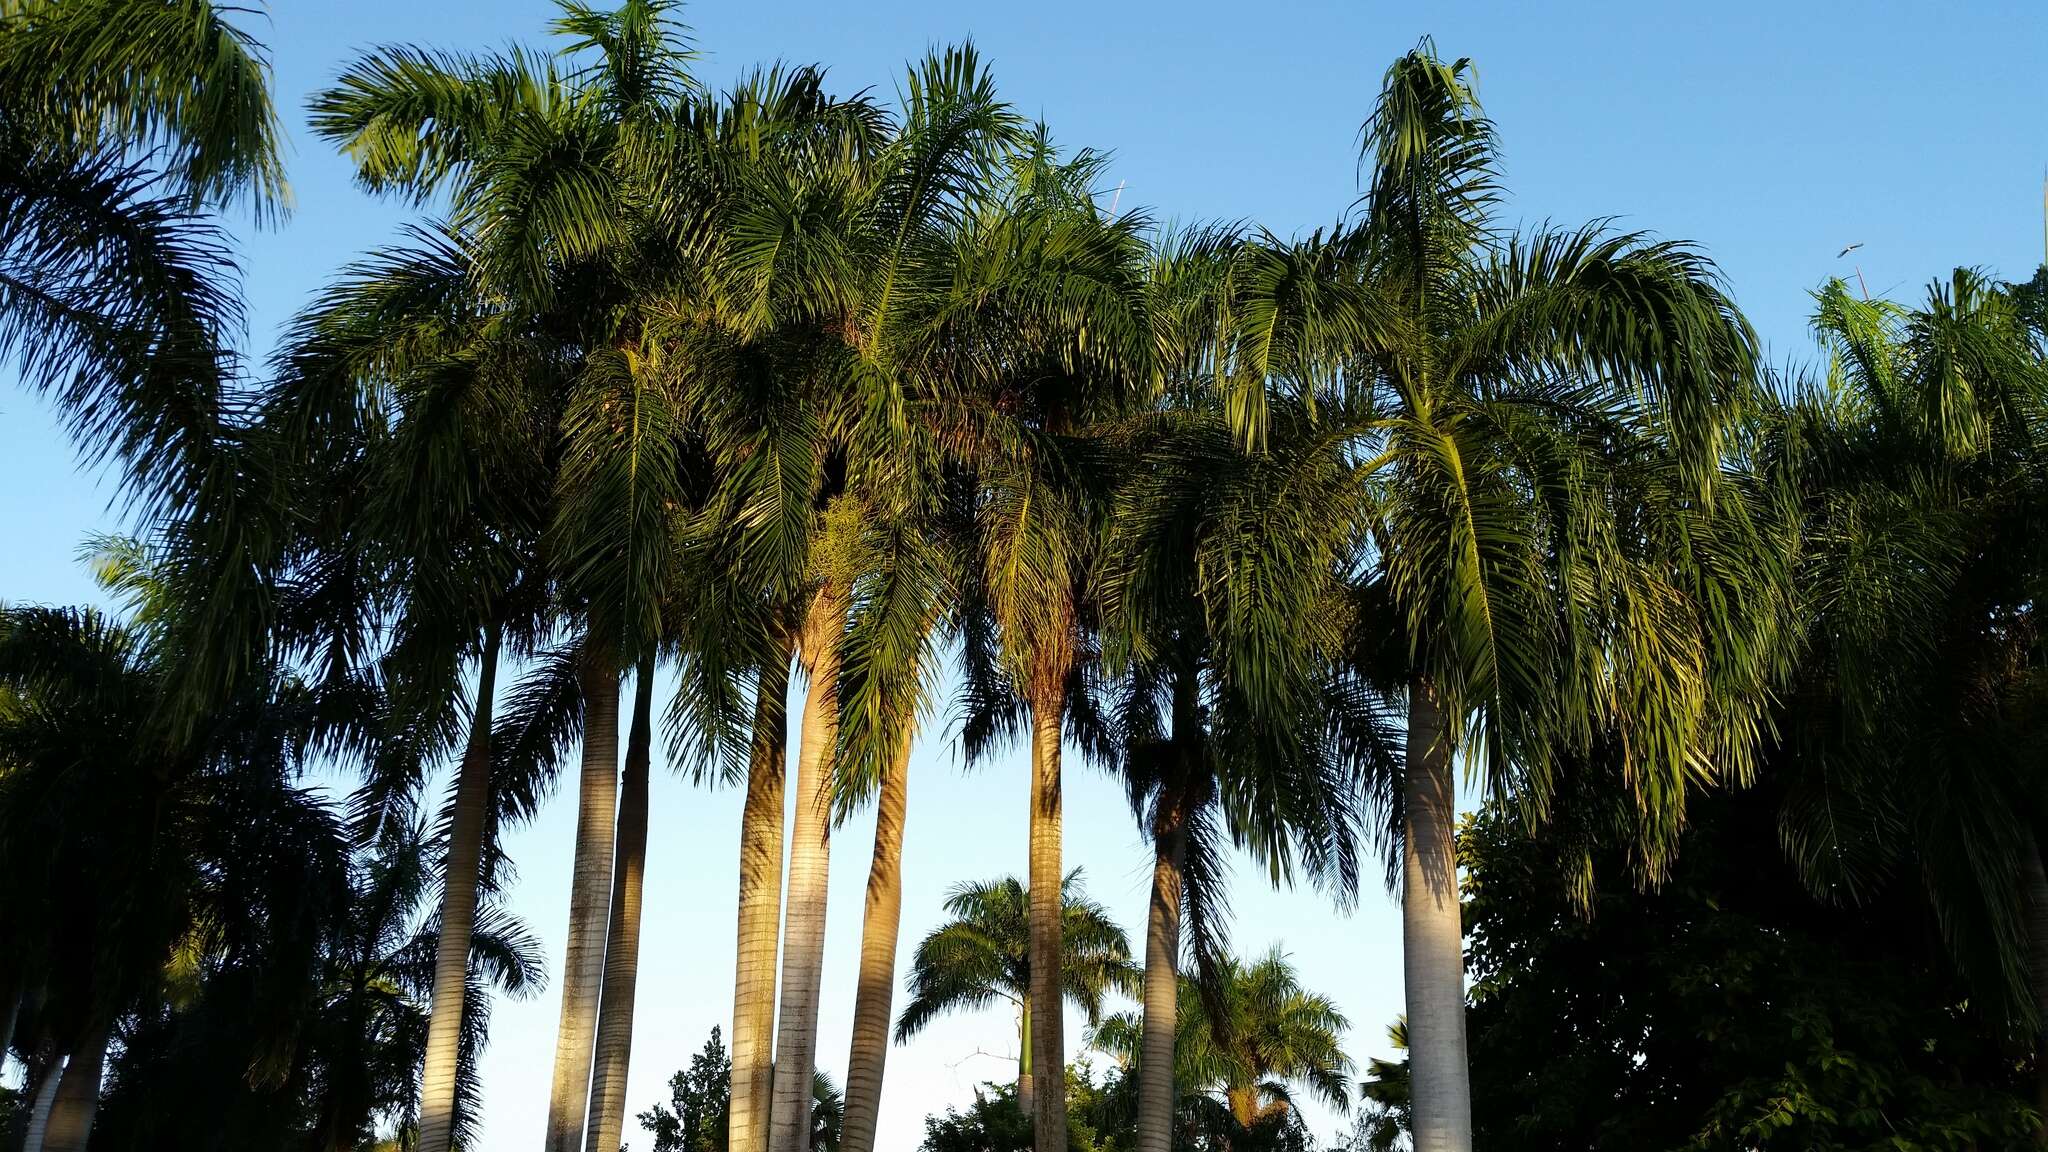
1231	717
983	955
1547	418
536	163
1248	1046
1069	353
404	396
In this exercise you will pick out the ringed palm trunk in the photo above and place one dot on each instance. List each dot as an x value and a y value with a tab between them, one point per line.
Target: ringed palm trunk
622	943
803	955
589	906
2036	889
873	1002
458	913
760	926
77	1096
1432	937
1162	984
1048	1045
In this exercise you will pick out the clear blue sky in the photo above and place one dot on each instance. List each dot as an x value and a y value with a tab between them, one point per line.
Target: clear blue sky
1772	133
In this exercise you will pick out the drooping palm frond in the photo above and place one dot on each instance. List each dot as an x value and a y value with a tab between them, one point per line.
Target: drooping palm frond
175	81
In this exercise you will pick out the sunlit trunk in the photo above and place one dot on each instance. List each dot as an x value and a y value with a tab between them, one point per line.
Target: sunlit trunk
1026	1092
803	951
461	874
2037	970
760	927
1048	1045
1432	941
874	1001
589	905
622	942
1162	981
78	1096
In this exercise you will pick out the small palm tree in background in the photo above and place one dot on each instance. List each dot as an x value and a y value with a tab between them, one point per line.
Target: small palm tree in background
983	956
1247	1048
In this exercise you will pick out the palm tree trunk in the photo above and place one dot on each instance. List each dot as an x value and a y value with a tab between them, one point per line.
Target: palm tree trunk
1048	1045
803	954
78	1095
622	945
2037	970
461	874
1432	939
1027	1093
873	1003
760	927
43	1097
1162	984
589	905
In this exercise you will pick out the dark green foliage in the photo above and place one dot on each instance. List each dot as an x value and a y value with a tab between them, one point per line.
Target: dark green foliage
1102	1115
694	1120
698	1111
1725	1010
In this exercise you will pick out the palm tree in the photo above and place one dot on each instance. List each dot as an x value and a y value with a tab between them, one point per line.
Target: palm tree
190	1074
404	397
1547	415
128	124
984	955
1228	621
1248	1046
539	164
1070	355
1914	485
180	841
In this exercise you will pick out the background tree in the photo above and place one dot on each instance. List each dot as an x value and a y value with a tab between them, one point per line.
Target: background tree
983	955
1243	1059
1730	1008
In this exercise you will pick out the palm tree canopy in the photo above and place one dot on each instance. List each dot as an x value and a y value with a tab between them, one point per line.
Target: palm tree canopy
982	955
1277	1037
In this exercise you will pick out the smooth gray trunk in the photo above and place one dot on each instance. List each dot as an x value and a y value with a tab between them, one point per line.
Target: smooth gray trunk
622	945
803	934
1162	986
461	874
589	906
874	999
760	918
1432	938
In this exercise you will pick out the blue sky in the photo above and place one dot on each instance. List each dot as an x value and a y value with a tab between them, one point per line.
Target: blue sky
1774	134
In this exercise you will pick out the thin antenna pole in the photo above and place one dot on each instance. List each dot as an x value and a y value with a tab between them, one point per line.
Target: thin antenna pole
1120	195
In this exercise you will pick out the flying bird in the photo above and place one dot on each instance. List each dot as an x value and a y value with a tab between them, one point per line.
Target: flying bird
1849	249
